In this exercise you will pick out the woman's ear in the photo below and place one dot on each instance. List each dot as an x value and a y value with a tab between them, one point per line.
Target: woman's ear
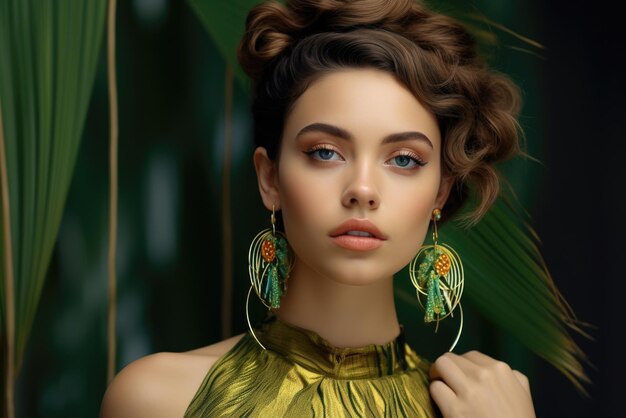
445	185
267	176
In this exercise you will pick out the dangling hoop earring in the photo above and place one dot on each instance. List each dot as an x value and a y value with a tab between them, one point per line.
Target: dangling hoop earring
439	279
270	262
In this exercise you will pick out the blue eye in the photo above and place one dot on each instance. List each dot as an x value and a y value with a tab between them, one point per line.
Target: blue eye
407	161
324	154
402	160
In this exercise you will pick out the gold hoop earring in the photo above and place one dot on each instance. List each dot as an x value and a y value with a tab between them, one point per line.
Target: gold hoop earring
438	280
270	262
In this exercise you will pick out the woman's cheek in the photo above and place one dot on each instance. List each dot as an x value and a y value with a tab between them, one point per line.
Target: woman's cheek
302	199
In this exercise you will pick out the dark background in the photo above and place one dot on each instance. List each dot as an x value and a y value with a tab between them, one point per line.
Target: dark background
581	208
171	82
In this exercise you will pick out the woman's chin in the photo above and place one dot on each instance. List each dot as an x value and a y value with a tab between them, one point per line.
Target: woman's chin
359	276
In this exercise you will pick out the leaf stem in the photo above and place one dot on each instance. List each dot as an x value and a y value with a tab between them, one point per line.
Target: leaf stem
8	275
112	279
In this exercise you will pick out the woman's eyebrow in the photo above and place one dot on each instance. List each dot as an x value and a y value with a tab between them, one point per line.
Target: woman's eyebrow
403	136
333	130
338	132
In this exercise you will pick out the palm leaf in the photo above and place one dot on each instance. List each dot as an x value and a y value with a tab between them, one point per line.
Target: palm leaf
225	22
48	58
510	284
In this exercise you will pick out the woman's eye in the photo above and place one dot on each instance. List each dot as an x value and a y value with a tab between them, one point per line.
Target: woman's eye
324	154
406	161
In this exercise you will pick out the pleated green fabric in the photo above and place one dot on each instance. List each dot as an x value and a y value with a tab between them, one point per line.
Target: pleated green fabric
303	375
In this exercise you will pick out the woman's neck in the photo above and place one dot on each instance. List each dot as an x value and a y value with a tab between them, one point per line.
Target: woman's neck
345	315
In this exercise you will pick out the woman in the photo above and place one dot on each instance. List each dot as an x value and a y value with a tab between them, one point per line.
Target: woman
373	119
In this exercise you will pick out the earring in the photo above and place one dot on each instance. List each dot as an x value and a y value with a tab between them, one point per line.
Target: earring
438	280
270	262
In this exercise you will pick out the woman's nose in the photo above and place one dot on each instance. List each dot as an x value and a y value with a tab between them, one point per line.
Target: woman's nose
361	189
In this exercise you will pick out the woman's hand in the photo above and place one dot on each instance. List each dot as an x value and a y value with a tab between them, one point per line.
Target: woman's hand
476	385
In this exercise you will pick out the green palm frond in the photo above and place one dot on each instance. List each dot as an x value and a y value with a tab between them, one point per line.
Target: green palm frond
510	284
487	32
225	22
508	281
48	57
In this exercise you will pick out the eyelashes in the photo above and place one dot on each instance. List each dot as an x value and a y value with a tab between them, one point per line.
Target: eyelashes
324	153
407	159
404	159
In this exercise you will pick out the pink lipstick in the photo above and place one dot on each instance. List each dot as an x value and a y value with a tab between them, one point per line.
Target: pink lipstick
358	235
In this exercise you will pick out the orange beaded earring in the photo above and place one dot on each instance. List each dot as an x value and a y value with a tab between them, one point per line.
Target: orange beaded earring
270	261
437	275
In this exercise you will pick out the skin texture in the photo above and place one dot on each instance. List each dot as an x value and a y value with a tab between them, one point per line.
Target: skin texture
320	181
161	385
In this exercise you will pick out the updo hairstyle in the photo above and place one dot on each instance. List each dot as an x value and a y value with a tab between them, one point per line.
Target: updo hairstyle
286	47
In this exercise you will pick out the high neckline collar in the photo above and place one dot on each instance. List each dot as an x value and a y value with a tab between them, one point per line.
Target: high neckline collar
309	350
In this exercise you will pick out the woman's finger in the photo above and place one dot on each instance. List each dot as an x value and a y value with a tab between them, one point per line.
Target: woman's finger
479	358
443	396
487	366
486	361
522	379
468	365
447	368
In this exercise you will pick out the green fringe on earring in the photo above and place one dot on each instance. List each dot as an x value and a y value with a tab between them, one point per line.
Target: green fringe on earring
268	285
422	274
281	257
439	306
434	298
277	272
427	265
430	301
275	292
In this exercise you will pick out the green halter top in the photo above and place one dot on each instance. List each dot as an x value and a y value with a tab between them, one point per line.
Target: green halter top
302	375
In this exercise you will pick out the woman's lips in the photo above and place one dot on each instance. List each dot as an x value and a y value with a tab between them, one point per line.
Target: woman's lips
358	235
357	243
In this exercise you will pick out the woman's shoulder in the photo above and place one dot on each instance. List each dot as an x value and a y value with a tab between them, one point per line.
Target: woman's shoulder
161	384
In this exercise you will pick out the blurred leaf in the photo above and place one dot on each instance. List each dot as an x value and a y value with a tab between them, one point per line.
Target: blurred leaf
506	279
48	55
225	22
485	31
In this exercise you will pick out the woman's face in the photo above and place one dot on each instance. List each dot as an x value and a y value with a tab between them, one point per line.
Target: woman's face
357	147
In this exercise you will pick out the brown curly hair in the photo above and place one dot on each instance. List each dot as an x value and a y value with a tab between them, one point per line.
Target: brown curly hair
286	47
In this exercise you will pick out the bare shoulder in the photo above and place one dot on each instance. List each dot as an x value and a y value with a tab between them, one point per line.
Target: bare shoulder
218	349
161	384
